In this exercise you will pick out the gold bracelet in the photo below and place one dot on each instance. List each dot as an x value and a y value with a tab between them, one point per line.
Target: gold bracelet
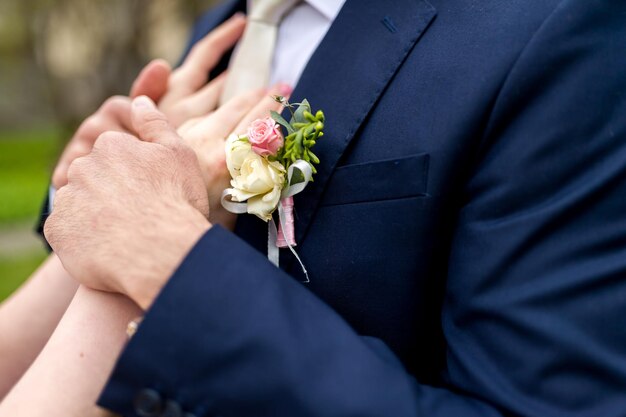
133	326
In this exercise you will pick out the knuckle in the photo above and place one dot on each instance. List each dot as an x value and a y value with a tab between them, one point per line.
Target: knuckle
202	48
81	148
183	110
53	229
49	229
93	120
154	117
115	103
60	194
74	172
59	176
78	149
213	43
251	98
177	78
106	140
153	123
60	200
91	127
182	113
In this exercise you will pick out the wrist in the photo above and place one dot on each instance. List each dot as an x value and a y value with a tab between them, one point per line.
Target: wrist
177	236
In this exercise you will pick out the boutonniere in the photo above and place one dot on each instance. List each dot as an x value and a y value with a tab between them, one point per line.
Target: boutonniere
269	165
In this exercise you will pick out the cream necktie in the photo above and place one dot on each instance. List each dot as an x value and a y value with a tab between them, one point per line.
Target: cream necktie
250	67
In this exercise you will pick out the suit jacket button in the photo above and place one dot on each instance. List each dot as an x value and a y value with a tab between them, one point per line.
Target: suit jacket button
171	409
148	403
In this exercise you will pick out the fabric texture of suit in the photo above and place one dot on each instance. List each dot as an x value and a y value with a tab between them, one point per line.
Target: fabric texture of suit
465	236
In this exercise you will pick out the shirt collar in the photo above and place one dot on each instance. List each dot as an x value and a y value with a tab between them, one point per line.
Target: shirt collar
329	8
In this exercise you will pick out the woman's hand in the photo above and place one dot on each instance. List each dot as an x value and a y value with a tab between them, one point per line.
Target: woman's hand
113	115
188	95
69	374
28	318
182	94
206	136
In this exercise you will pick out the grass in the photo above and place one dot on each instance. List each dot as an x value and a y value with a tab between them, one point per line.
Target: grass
26	158
14	270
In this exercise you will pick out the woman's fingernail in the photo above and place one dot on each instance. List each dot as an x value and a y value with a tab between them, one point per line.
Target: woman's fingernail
143	102
284	89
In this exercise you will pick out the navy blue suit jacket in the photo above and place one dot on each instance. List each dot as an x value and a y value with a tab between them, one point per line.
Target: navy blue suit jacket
465	235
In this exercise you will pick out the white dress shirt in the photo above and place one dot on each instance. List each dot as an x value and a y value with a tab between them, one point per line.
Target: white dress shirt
299	35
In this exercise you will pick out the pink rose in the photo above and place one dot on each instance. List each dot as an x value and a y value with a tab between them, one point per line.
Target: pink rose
265	136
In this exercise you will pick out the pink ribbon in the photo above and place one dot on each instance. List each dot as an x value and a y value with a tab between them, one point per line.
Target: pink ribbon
286	235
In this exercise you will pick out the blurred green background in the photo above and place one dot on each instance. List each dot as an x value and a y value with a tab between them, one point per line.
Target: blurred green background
59	60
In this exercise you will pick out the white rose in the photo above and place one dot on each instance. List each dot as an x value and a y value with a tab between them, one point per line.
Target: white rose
260	182
236	152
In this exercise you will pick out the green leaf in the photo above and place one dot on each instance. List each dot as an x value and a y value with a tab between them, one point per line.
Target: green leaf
281	121
298	116
307	115
314	158
297	177
298	143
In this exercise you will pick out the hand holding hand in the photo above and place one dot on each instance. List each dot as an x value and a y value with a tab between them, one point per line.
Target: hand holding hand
182	94
113	115
206	137
131	209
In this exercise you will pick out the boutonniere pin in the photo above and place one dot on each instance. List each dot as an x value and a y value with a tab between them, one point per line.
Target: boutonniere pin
269	165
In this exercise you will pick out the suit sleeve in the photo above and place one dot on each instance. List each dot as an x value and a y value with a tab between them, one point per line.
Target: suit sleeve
535	296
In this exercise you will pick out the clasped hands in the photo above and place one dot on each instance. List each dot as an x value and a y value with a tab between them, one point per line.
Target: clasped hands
138	185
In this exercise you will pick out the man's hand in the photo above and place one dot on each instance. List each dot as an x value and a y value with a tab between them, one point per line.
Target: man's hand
131	209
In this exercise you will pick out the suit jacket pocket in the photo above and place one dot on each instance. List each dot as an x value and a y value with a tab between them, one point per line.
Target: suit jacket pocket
380	180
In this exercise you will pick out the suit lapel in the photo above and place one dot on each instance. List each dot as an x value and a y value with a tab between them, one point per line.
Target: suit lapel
346	75
209	21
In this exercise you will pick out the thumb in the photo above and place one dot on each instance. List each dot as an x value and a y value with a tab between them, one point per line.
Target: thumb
151	125
152	80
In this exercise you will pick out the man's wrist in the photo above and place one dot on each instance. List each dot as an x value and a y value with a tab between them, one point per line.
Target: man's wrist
179	235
